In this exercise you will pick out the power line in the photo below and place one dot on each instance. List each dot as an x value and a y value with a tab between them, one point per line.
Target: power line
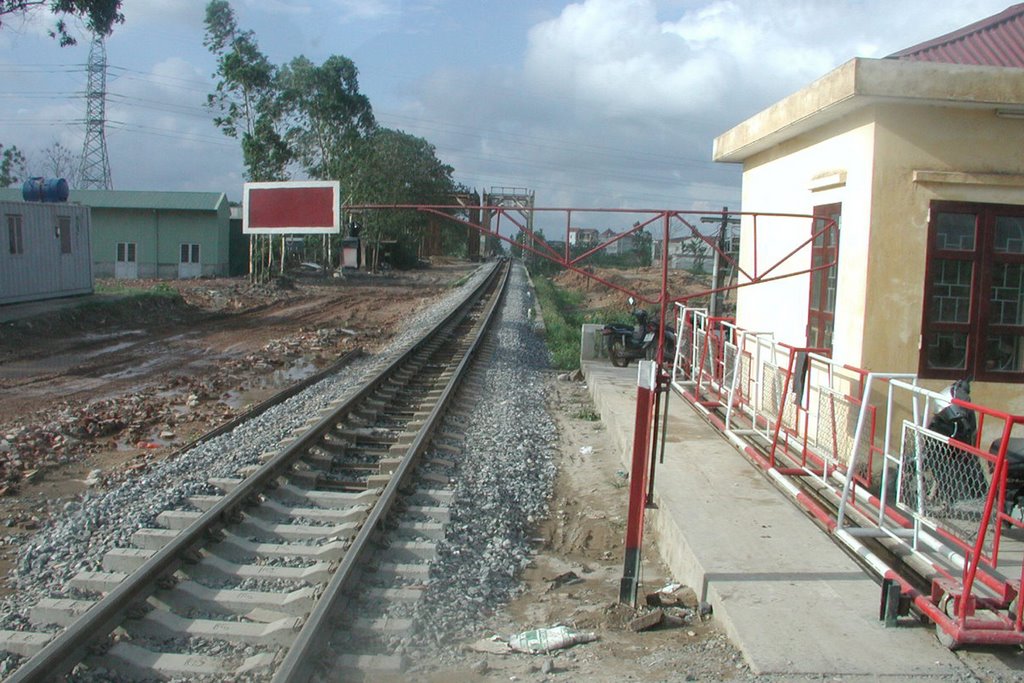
176	135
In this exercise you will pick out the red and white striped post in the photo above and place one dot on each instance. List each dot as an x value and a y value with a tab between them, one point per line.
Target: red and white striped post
647	385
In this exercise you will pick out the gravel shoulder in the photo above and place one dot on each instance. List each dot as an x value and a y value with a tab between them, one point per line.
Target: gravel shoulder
573	579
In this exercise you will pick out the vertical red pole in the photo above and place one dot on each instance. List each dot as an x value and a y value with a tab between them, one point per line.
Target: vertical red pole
646	404
646	386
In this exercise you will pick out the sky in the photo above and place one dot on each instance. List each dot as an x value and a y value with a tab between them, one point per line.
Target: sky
594	103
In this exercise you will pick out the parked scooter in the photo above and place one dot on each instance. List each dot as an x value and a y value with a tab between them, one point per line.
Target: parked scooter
949	473
953	474
625	343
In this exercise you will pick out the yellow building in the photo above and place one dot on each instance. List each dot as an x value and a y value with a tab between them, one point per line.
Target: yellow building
920	158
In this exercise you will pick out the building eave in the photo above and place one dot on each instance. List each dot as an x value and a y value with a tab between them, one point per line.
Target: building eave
861	82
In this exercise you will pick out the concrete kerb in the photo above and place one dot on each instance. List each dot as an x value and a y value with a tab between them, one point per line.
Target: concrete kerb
782	591
537	314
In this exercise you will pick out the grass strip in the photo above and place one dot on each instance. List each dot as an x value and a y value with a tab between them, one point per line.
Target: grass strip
562	321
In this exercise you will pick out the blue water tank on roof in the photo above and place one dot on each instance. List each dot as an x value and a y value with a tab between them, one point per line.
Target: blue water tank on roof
40	189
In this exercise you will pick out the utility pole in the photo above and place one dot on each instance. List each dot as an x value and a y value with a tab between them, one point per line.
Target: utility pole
714	302
95	170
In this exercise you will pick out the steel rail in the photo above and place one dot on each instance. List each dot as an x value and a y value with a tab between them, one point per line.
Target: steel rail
302	659
65	650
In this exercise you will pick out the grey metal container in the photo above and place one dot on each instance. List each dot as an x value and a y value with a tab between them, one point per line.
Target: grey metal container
44	251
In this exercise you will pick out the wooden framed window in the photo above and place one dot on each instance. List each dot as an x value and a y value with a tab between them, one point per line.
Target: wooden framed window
15	239
974	293
821	307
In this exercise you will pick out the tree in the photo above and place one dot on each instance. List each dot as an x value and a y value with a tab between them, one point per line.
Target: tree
392	167
99	15
642	246
246	95
12	166
60	162
326	114
698	249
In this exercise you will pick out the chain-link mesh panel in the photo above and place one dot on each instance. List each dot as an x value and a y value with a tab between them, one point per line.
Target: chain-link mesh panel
686	351
700	339
836	427
942	482
772	398
746	363
731	356
702	354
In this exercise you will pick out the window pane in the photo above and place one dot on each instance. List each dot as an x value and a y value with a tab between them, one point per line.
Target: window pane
1006	304
951	291
1005	353
955	231
184	254
120	252
64	230
14	237
1009	235
131	252
947	350
195	253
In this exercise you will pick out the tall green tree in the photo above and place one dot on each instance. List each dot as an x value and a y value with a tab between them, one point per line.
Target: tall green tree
99	15
394	167
12	166
247	95
327	116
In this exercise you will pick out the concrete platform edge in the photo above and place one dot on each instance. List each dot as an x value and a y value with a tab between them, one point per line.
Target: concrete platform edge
834	633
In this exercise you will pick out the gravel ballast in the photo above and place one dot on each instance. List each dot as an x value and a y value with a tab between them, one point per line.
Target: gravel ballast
77	539
502	490
505	479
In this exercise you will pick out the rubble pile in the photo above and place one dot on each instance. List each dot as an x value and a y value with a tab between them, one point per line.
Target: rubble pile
307	340
152	418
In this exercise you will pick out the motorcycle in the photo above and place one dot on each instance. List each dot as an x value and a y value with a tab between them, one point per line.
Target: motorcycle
952	473
948	472
625	342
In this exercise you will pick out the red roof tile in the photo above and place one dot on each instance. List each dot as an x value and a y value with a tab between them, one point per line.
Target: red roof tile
995	41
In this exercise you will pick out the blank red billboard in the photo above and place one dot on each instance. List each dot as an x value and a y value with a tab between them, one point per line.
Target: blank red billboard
292	207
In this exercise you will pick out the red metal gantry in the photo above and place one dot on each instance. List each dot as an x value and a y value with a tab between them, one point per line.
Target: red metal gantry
880	479
654	379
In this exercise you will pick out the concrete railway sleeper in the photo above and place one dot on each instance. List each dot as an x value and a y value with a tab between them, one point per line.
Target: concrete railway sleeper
261	567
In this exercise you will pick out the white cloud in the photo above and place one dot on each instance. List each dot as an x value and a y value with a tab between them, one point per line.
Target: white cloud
600	102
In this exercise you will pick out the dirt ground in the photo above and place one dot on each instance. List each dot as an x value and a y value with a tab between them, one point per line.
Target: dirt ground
97	397
574	581
98	392
644	281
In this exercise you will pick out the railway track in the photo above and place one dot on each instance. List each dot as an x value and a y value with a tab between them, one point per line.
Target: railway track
329	540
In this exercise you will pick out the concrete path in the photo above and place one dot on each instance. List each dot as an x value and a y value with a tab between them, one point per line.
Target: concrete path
786	595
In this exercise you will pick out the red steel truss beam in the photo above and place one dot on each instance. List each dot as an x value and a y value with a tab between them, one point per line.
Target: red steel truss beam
656	382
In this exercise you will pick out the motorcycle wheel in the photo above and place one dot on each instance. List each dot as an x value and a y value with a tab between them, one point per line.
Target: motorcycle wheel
618	355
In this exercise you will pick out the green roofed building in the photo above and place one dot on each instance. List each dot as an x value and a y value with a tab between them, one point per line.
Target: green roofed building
142	234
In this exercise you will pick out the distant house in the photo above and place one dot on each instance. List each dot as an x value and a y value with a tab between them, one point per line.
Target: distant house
143	234
919	157
583	237
625	245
